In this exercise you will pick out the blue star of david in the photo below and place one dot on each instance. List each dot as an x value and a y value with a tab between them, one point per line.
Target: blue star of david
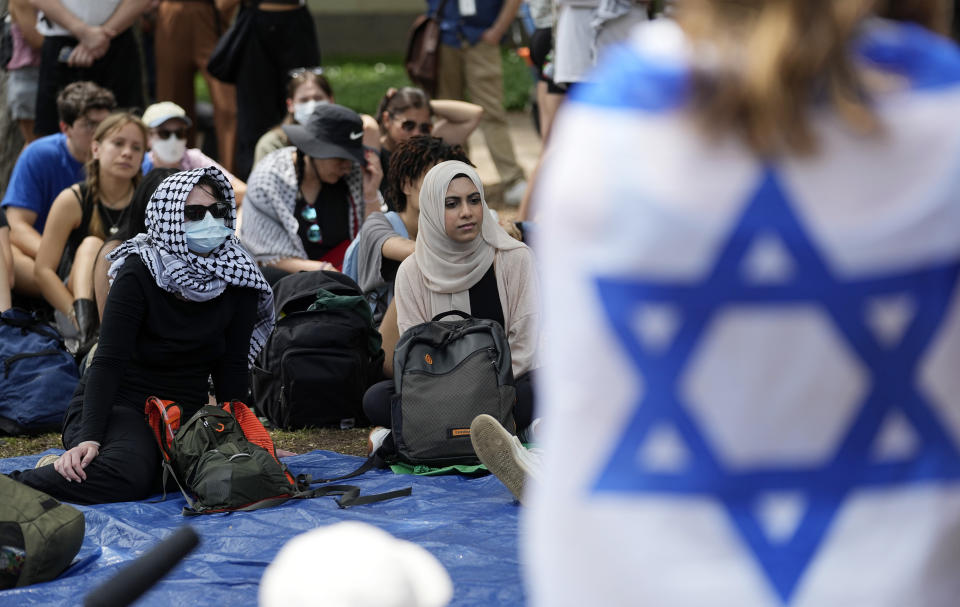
827	484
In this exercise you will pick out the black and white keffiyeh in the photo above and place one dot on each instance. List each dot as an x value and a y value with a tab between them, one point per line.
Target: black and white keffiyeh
178	270
270	228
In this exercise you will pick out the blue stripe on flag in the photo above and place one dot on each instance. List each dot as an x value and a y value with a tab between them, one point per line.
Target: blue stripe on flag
627	80
928	61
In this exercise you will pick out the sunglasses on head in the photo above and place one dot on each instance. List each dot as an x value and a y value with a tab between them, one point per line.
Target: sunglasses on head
409	125
300	71
180	133
196	212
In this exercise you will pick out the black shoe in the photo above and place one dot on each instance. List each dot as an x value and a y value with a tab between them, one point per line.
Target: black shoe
88	323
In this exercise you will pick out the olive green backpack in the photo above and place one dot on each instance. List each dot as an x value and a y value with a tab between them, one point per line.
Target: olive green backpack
39	536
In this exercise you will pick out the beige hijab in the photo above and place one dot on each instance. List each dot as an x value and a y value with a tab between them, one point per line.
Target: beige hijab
450	268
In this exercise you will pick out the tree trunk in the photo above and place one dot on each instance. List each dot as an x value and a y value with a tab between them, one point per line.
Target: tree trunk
10	140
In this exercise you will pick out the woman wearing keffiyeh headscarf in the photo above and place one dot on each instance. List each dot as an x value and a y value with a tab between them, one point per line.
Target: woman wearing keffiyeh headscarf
187	303
465	261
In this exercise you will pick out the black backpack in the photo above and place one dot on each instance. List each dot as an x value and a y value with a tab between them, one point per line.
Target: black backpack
446	372
322	356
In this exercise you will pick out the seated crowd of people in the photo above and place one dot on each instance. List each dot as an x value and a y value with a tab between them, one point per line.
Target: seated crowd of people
118	229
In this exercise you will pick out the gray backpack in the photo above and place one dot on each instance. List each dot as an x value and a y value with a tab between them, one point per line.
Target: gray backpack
446	372
39	536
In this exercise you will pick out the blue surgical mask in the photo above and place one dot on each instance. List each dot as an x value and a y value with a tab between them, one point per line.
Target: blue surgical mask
206	235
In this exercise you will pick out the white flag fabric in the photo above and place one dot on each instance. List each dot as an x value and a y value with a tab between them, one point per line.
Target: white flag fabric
751	390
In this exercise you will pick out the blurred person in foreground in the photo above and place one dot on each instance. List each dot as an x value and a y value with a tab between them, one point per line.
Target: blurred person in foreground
761	381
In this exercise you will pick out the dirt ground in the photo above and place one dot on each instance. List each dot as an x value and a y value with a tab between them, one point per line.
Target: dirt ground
351	442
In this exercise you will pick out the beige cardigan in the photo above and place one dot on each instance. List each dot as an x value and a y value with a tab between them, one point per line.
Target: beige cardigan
518	286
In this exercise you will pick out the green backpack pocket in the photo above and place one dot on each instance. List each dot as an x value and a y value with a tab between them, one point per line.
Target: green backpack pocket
38	535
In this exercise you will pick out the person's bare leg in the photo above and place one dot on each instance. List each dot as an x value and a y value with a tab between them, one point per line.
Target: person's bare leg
101	284
4	285
26	130
523	213
548	105
23	279
81	274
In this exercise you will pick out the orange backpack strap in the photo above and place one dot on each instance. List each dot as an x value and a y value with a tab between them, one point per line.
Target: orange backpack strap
163	416
251	426
254	431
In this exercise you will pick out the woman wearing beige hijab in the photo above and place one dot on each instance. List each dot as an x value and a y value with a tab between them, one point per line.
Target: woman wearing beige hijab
465	261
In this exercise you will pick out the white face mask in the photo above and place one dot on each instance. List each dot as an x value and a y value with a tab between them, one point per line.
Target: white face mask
302	111
169	150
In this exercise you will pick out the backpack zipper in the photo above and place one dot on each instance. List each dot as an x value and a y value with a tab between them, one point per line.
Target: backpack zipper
8	362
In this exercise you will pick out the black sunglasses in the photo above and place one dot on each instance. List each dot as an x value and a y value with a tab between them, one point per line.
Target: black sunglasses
425	127
196	212
180	133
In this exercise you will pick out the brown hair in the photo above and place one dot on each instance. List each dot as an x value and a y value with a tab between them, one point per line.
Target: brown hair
302	77
401	100
775	59
110	125
77	98
932	14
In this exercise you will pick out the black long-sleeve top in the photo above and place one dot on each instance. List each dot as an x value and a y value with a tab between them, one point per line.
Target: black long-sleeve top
154	343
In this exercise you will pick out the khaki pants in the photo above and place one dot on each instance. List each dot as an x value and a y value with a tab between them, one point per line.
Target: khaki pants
185	36
477	71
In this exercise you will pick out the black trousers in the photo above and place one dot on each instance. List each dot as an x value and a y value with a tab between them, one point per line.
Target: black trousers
376	402
118	70
281	41
127	468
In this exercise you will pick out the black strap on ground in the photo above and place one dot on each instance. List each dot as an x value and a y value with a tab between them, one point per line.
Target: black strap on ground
374	461
350	495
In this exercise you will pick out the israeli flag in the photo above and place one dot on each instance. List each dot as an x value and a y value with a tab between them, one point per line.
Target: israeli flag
751	390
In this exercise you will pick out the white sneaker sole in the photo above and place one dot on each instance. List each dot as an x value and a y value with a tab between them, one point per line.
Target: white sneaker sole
497	450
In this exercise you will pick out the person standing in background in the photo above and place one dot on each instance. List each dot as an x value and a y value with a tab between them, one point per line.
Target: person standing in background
86	40
24	67
185	34
283	37
468	64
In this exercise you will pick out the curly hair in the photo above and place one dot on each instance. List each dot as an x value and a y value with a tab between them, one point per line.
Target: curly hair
411	161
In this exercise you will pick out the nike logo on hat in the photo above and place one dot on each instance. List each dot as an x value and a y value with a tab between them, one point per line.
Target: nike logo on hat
356	135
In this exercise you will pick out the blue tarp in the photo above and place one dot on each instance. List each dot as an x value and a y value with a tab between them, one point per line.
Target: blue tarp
469	524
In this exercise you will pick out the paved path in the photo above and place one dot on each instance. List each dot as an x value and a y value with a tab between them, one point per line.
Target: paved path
526	144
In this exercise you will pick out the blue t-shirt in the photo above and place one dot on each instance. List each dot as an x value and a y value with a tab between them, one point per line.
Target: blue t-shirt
454	29
44	169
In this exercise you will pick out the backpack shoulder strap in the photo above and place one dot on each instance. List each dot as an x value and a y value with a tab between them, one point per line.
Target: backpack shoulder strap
350	495
163	416
397	223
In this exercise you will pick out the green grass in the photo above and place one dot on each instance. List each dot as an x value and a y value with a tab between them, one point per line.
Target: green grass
360	82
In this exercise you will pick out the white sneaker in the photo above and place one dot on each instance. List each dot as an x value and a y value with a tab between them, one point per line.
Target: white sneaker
47	459
513	195
376	438
503	454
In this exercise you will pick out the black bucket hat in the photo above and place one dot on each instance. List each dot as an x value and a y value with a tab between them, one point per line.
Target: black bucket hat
332	131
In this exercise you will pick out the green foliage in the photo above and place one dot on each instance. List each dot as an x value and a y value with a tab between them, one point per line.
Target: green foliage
360	82
517	81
